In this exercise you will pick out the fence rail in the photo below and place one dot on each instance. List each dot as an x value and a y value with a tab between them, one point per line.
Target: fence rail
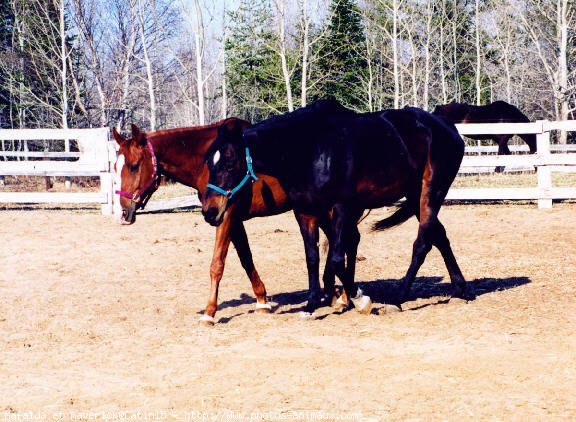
94	159
97	155
544	161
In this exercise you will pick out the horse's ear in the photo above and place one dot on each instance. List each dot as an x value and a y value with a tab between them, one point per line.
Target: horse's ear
119	138
135	130
138	135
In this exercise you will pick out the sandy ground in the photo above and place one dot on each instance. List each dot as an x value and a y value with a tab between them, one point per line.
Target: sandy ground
101	318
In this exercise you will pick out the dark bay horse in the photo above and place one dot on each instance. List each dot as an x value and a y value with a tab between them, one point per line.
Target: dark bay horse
496	112
179	154
333	161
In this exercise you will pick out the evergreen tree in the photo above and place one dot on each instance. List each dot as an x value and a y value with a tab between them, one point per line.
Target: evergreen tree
343	59
253	87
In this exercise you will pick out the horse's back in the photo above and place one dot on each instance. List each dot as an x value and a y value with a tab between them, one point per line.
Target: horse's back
505	112
453	112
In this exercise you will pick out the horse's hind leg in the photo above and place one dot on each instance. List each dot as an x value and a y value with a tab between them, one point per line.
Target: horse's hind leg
420	249
432	232
240	242
440	240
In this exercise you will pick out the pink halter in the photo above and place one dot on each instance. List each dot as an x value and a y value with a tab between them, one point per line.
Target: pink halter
137	196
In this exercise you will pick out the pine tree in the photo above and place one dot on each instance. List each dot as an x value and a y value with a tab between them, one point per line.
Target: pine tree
343	56
253	87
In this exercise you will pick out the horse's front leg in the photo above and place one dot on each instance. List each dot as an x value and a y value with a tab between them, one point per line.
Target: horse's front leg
309	230
240	242
221	244
328	277
502	141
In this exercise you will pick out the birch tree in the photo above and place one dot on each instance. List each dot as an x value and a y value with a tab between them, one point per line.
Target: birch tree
548	24
309	37
281	49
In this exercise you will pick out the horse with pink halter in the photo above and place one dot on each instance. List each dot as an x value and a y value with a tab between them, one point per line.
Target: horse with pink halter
179	154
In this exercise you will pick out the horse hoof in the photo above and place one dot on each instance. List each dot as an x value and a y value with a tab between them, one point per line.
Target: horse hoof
362	303
307	316
365	306
465	295
389	309
207	320
263	308
338	304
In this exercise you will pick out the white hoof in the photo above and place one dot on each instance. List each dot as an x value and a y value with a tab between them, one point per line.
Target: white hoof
362	303
207	320
307	316
339	305
263	306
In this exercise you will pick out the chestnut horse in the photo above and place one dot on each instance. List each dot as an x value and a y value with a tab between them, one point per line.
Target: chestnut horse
331	160
179	154
496	112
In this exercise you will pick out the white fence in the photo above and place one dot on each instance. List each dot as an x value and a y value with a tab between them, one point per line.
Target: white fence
94	159
544	161
97	156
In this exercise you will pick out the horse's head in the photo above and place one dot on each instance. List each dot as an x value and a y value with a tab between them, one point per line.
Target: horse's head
229	173
137	169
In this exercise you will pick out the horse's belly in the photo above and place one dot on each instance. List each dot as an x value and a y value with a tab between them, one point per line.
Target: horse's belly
371	195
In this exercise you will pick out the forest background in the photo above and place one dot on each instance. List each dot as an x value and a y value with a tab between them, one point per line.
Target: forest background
162	63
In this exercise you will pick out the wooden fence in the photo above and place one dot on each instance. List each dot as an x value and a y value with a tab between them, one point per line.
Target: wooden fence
97	155
95	158
544	161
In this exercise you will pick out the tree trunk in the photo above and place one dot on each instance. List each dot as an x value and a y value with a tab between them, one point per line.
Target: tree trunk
148	65
478	57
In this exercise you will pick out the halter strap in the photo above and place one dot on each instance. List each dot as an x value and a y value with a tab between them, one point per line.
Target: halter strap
249	175
137	196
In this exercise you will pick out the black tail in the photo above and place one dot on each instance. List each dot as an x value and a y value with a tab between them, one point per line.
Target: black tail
403	213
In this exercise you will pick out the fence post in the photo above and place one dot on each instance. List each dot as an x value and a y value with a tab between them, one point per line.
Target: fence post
112	153
107	189
107	177
543	171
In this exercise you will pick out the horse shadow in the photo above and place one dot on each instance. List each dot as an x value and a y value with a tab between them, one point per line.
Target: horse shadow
383	291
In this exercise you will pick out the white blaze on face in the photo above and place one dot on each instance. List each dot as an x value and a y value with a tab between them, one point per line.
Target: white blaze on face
216	157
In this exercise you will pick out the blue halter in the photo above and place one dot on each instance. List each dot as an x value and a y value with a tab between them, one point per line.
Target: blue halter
249	175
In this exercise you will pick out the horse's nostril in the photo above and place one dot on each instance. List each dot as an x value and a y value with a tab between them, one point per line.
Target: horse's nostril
210	214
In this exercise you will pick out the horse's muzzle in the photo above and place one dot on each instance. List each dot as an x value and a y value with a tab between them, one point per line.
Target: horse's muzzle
213	216
214	208
128	215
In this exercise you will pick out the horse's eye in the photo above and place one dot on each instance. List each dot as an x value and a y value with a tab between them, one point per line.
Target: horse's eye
134	168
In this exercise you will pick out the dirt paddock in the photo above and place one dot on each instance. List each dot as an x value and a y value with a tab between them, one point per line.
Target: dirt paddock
101	318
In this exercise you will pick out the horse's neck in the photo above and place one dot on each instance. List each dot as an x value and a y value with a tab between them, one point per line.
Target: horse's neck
181	156
267	158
